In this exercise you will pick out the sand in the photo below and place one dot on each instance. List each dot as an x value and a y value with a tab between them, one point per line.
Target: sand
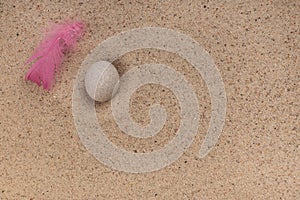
254	44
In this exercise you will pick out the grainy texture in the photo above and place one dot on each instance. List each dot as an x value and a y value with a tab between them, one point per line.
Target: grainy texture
255	45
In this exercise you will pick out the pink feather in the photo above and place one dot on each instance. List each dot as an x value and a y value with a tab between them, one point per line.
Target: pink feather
48	56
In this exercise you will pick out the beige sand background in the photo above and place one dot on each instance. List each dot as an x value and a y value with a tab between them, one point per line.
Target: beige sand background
255	45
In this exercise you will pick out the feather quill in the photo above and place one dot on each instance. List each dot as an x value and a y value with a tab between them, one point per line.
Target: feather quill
48	56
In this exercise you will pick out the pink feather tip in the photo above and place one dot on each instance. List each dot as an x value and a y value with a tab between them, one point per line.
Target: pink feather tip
48	56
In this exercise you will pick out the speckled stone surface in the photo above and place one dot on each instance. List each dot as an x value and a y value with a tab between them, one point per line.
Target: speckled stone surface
256	46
